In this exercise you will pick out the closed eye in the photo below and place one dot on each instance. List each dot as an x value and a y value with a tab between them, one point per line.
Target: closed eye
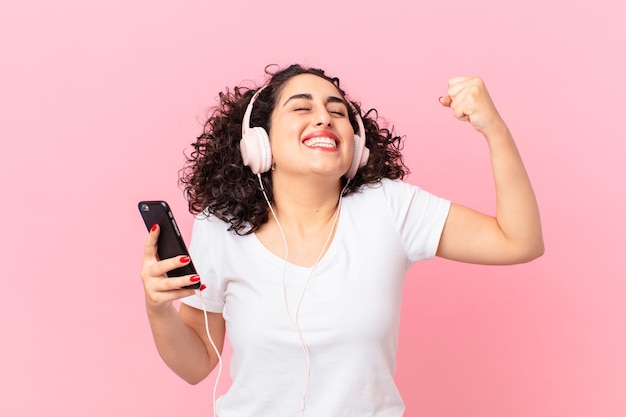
338	112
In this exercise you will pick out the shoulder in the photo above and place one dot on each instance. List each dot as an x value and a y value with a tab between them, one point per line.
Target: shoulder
382	186
208	230
402	199
212	243
390	189
206	222
394	196
384	193
416	215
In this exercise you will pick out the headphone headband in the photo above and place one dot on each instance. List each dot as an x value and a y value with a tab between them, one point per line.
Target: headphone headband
245	124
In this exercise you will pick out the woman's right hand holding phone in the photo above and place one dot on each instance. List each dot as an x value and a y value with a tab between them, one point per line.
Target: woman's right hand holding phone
161	290
180	338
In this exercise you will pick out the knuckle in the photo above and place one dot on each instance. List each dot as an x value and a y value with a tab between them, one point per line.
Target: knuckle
154	270
473	90
145	272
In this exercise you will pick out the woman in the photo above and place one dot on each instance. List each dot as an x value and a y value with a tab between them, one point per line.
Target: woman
302	247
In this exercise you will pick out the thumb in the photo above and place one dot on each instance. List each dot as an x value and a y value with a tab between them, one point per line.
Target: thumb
445	101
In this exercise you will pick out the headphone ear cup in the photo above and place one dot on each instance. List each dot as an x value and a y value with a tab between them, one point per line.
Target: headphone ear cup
256	151
365	156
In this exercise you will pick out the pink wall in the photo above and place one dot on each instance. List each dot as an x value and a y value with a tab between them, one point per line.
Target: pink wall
98	100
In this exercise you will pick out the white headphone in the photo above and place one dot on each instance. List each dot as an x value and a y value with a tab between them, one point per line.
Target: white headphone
257	154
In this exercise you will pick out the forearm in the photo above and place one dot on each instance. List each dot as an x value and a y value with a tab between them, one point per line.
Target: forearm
180	347
517	212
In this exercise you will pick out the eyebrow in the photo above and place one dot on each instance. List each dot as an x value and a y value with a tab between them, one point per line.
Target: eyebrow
306	96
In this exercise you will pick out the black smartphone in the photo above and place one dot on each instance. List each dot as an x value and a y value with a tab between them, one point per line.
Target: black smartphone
170	241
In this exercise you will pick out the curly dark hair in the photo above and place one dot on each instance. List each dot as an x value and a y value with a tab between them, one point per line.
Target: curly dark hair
217	183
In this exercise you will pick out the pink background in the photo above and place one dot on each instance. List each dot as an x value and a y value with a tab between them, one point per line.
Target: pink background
99	99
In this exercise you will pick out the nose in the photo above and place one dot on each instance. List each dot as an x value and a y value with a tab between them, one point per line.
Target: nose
322	117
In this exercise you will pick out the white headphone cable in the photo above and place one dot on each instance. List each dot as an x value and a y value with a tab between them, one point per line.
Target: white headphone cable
295	321
219	357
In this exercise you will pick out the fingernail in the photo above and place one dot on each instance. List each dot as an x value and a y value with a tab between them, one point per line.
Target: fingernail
202	287
154	227
195	278
184	259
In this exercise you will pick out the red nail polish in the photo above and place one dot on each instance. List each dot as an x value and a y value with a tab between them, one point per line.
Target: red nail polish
154	227
184	259
202	287
195	278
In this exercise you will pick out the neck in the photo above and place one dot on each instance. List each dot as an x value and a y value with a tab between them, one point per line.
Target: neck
306	205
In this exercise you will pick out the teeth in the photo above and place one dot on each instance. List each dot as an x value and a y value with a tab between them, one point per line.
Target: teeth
321	142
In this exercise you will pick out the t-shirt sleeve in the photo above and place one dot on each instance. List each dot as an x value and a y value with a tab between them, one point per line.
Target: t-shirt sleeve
419	217
203	255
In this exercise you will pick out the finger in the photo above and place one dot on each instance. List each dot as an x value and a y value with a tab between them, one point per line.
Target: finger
150	248
459	114
461	84
161	297
466	99
164	266
445	101
460	109
456	84
172	283
457	80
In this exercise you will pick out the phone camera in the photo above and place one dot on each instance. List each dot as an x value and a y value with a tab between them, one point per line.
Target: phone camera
145	207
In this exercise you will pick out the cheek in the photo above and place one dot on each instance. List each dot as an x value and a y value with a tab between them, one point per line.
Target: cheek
348	135
284	141
278	133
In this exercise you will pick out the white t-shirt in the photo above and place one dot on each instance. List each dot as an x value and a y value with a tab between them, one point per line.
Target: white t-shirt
349	316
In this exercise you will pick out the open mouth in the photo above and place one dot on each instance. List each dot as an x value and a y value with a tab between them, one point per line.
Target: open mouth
320	142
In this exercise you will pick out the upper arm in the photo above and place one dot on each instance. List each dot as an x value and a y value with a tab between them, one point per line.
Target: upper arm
194	319
474	237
